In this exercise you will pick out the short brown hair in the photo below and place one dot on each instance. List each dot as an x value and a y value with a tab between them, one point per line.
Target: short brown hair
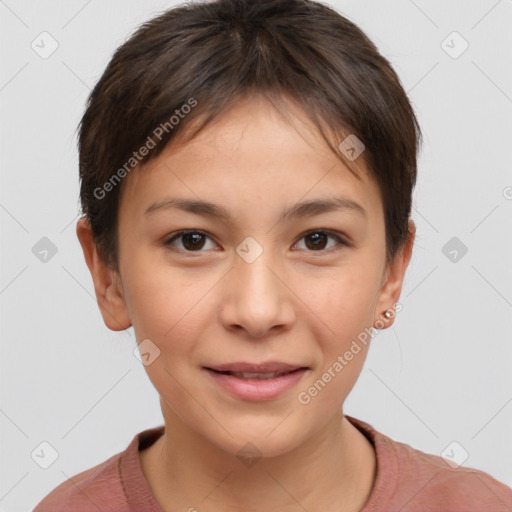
208	55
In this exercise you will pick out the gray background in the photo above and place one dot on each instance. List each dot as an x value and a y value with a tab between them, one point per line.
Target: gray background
440	374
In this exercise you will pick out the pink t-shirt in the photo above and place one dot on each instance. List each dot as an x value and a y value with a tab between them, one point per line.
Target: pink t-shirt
407	480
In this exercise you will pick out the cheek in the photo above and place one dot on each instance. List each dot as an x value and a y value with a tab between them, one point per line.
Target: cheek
344	301
167	305
343	318
168	310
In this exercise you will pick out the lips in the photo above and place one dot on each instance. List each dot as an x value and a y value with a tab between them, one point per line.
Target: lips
256	382
267	370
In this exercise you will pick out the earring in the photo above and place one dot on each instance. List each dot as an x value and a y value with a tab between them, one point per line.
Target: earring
379	324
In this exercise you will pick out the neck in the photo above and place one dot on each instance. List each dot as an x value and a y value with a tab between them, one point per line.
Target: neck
333	469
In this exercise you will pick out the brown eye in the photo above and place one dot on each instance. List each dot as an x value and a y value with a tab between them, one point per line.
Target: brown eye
191	241
318	240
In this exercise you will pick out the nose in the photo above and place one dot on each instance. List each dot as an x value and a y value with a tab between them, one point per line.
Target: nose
257	297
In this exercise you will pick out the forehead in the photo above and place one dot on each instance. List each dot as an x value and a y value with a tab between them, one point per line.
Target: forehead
250	156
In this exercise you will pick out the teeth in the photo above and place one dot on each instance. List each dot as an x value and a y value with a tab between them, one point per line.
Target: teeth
245	375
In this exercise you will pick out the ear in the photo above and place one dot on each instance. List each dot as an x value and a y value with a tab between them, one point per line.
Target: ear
392	281
106	281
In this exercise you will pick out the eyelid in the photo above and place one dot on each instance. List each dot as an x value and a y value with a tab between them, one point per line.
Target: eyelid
176	236
342	239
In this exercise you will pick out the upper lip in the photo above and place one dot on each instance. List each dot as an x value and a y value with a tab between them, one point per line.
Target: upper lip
268	367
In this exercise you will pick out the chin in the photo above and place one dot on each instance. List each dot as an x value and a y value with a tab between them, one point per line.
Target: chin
263	438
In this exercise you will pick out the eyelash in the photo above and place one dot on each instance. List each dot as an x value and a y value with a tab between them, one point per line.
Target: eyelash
342	242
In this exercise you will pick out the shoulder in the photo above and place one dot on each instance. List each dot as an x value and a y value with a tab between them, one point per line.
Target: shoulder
409	480
97	488
430	480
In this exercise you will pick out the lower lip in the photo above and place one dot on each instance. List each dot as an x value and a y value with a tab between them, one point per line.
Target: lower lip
257	389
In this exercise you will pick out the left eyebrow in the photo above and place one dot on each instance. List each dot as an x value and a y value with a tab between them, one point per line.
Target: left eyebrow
298	210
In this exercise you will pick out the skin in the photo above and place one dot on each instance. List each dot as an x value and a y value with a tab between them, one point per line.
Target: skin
295	303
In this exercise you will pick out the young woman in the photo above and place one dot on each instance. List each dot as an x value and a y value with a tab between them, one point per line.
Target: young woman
246	178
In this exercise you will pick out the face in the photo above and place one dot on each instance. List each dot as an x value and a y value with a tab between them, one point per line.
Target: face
252	285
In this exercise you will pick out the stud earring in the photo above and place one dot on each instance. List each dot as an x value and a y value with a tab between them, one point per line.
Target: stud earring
380	324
